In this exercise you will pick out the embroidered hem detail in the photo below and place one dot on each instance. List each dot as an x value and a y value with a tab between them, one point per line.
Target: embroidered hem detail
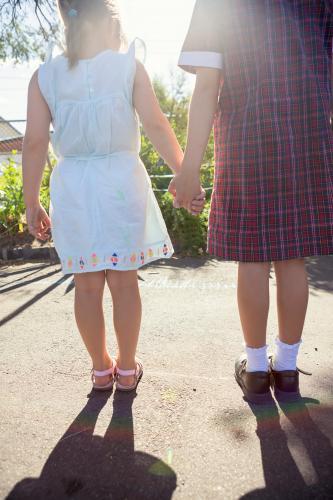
117	260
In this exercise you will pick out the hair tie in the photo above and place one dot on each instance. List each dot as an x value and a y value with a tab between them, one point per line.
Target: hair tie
72	13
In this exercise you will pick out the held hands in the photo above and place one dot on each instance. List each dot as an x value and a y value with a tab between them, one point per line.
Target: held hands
38	222
187	191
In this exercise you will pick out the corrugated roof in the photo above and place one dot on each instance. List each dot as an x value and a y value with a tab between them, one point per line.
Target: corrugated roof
8	145
7	131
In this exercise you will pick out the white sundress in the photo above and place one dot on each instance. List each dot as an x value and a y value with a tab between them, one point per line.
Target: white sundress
103	211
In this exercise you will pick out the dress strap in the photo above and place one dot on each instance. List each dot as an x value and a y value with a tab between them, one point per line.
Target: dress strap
49	52
46	79
132	66
138	45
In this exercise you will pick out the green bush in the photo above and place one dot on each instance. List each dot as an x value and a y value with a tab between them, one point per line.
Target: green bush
12	209
45	186
11	197
188	233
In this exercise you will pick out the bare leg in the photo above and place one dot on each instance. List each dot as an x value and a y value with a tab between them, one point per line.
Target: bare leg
89	316
253	301
126	317
292	298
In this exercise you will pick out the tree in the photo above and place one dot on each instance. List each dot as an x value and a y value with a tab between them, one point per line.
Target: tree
174	101
25	28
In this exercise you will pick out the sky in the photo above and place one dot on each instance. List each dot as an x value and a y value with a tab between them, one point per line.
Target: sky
161	24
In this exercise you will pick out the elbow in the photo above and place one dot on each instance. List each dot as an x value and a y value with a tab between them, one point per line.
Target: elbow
155	126
36	143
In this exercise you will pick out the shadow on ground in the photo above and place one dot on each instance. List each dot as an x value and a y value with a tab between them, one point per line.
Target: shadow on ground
282	475
84	466
295	443
25	279
22	283
4	273
320	271
183	263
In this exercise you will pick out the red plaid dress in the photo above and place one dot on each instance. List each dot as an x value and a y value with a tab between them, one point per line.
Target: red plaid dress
273	188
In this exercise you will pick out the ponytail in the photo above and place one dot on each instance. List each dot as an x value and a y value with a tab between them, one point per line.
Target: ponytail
75	33
78	17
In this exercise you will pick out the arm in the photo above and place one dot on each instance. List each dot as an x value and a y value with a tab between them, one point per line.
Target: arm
154	122
35	148
201	116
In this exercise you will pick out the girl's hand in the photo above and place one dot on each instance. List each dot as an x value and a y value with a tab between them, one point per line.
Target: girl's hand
198	203
39	223
185	187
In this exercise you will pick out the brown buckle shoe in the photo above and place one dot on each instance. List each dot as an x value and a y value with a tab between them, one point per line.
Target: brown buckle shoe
286	383
255	385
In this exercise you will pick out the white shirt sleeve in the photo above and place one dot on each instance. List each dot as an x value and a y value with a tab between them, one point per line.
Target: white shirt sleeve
203	43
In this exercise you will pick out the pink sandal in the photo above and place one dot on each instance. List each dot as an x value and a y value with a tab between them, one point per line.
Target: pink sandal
109	385
137	373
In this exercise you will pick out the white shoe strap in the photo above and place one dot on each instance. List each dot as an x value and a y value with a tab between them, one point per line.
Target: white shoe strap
103	373
126	373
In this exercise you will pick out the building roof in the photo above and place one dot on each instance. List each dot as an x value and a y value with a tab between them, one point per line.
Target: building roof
7	131
10	138
8	145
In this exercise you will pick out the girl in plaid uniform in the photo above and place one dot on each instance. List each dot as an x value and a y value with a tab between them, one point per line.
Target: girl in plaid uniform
266	66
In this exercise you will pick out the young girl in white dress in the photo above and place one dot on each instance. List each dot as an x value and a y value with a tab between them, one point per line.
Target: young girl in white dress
104	218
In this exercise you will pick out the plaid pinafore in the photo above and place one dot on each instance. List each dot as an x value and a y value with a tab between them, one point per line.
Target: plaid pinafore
273	189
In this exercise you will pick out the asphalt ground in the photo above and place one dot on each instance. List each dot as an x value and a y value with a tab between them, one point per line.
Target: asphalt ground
187	433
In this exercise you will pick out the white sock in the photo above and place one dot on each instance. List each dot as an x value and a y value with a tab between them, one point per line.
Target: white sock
257	360
285	356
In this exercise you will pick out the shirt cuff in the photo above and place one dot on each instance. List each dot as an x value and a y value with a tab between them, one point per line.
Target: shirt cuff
190	61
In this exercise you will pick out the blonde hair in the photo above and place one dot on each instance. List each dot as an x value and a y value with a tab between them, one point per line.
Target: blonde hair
78	17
